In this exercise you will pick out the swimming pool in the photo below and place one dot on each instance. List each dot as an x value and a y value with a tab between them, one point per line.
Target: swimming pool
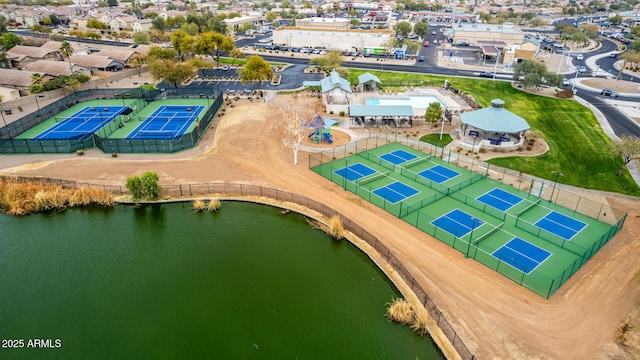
416	102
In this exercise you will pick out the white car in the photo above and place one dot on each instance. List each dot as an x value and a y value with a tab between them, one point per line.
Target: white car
579	57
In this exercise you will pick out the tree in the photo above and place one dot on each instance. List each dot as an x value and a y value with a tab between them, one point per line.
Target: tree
294	127
421	28
140	38
93	35
628	148
137	62
94	23
159	24
112	3
170	72
144	187
355	22
214	44
532	71
402	28
182	42
236	54
3	24
255	69
591	30
433	113
158	53
413	46
40	29
9	40
328	62
66	50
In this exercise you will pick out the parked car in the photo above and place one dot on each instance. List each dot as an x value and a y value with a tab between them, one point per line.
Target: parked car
421	58
487	74
413	36
225	68
425	44
579	57
433	33
609	93
565	82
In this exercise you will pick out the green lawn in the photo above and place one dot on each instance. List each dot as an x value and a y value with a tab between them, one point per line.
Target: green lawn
578	144
435	139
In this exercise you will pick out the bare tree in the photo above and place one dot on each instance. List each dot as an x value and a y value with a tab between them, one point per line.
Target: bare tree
296	118
628	148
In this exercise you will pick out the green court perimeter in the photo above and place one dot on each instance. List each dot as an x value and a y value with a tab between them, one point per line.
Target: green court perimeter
533	241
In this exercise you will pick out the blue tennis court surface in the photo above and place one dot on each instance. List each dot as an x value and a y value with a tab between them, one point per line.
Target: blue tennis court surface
457	223
562	225
439	174
395	192
522	255
355	171
398	157
167	122
499	199
82	124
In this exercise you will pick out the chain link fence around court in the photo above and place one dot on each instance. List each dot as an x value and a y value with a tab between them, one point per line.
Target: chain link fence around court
10	145
244	190
536	188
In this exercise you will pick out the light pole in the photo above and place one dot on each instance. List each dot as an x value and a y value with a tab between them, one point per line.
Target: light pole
555	181
473	150
3	120
495	67
575	80
473	226
38	104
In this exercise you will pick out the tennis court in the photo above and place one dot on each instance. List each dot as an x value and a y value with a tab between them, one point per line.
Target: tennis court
398	157
82	124
499	199
395	192
457	223
354	171
564	226
167	122
505	228
522	255
439	174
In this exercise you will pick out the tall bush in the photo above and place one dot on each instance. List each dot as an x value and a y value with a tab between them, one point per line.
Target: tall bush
144	187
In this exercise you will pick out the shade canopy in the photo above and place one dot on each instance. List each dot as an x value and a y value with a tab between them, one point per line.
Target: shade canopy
495	119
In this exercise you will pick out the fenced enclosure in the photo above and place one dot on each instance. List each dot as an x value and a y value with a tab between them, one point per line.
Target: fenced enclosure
10	144
255	191
545	215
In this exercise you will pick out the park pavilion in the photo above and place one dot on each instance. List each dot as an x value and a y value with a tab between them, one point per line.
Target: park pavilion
492	127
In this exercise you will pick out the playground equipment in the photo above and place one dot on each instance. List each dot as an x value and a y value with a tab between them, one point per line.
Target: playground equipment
321	127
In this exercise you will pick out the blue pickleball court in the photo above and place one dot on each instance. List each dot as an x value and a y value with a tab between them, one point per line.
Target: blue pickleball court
522	255
499	199
395	192
354	171
82	124
438	174
457	223
562	225
398	157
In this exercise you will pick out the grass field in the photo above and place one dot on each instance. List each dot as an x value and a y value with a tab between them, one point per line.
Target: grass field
578	144
434	139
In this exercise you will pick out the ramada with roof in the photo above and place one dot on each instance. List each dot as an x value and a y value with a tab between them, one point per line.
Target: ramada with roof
492	127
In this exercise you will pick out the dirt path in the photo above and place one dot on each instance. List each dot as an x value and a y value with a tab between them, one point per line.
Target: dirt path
497	318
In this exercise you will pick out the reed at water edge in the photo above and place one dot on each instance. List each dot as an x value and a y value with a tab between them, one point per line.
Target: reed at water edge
21	198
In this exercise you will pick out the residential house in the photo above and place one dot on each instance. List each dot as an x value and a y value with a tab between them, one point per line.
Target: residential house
17	79
21	55
142	25
97	62
57	68
123	23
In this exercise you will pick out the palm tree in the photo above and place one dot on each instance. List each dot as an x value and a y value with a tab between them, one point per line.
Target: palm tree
36	78
66	50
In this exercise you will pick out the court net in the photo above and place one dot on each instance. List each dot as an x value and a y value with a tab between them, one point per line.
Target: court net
531	206
165	119
78	119
372	178
487	234
156	133
415	162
